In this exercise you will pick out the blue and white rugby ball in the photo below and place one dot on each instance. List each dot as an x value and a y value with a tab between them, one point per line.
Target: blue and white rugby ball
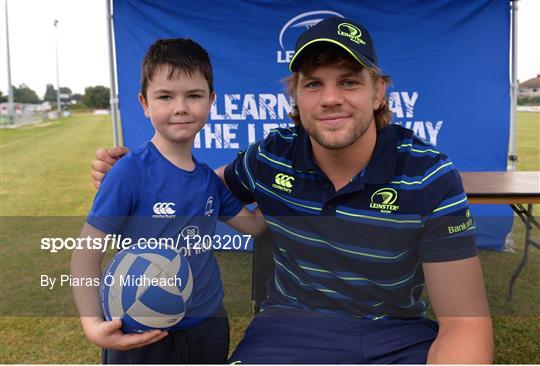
146	288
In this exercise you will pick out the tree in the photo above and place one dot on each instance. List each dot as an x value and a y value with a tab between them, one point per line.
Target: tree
96	96
23	94
3	98
77	97
50	94
65	90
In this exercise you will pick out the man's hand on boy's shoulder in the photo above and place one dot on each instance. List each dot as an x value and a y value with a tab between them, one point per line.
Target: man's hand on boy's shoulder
107	334
105	159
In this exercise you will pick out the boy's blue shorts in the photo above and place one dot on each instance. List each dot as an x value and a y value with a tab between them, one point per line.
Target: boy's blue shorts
206	342
287	335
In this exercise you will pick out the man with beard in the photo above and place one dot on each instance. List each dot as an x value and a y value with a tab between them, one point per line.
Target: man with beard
364	214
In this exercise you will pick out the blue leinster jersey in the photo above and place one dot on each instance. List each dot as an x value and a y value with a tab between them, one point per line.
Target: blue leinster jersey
358	251
146	197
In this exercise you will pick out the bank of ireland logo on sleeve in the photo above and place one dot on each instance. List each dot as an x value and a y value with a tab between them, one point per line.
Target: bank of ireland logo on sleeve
189	235
163	210
189	231
294	27
384	199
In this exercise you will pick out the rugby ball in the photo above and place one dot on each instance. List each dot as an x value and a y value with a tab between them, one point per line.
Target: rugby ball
146	288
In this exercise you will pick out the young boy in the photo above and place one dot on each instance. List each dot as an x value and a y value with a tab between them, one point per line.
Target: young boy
160	191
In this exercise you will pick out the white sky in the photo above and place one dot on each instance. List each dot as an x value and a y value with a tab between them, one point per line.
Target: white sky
82	39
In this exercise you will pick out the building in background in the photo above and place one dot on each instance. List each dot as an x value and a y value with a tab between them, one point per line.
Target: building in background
530	88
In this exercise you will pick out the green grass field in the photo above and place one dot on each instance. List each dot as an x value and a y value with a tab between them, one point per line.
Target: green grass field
45	191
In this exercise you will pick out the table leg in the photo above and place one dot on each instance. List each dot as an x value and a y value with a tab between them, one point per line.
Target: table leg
529	220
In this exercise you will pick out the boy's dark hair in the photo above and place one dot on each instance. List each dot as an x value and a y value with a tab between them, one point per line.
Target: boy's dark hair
180	55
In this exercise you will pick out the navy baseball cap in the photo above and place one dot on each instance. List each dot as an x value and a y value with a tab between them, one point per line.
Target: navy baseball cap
345	33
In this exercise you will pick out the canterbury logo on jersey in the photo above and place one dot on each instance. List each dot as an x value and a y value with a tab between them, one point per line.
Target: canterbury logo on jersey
283	182
163	210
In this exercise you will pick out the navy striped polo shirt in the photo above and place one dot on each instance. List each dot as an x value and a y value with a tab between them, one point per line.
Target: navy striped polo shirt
357	251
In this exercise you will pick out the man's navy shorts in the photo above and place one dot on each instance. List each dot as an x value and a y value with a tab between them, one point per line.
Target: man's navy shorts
285	335
205	343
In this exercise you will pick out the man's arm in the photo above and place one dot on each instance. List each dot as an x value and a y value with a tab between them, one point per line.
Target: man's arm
105	159
86	263
457	293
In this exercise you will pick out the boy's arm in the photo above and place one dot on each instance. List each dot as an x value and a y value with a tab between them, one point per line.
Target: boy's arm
237	178
248	222
457	294
86	263
220	172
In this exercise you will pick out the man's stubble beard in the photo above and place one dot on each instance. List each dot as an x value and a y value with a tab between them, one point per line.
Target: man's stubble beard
357	132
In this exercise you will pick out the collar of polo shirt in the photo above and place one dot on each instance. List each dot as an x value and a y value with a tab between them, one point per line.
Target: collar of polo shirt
380	169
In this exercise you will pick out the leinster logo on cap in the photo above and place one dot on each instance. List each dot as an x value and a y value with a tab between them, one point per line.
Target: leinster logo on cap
350	31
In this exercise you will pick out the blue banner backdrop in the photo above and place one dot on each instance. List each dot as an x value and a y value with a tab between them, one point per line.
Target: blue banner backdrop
448	60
